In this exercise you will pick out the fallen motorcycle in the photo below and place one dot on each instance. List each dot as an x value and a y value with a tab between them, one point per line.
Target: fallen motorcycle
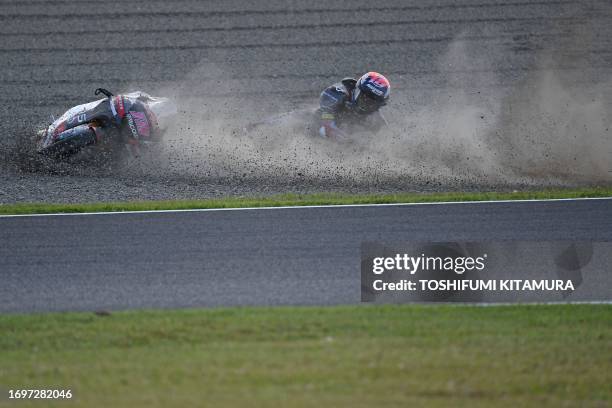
134	119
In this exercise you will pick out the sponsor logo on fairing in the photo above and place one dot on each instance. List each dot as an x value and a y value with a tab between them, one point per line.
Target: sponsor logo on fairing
118	106
80	118
132	126
141	122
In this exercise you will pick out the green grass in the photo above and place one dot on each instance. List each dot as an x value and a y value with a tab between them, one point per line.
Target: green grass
553	355
300	200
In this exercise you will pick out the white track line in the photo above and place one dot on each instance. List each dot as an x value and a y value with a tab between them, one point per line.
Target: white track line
309	206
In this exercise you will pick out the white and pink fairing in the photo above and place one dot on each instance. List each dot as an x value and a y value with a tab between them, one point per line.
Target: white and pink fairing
109	110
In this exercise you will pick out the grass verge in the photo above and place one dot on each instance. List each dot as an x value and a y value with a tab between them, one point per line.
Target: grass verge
401	355
300	200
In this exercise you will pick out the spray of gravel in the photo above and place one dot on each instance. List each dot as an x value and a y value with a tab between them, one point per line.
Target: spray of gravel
555	126
548	127
545	129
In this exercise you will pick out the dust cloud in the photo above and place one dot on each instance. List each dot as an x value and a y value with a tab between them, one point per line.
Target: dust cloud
548	127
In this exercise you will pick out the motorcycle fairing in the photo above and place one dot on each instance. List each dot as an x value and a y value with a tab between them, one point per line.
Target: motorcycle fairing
96	111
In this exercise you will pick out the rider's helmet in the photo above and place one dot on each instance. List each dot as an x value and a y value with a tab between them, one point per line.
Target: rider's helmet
371	92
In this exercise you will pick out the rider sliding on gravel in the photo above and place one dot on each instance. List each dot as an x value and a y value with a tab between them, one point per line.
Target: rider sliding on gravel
355	102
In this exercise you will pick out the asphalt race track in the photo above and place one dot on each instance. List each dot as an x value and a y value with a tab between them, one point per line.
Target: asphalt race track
292	256
225	60
475	67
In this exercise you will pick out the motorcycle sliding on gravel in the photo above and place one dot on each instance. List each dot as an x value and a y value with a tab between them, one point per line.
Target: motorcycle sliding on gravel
126	122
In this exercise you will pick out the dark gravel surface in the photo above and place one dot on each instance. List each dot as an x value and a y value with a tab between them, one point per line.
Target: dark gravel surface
486	94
